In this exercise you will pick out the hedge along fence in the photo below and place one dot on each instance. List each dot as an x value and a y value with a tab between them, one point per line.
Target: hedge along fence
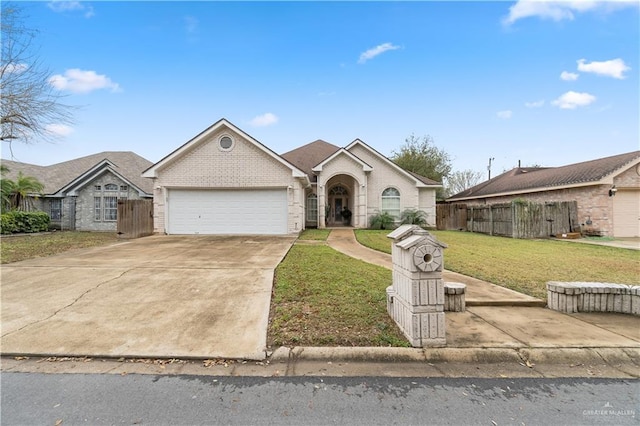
517	219
18	221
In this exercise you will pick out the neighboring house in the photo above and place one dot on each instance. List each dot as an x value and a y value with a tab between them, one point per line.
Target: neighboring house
607	192
83	194
223	181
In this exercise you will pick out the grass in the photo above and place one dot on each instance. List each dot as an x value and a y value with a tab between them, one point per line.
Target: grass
324	298
526	265
314	234
22	247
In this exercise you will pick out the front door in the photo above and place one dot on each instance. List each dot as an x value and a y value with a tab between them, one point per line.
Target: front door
338	204
338	200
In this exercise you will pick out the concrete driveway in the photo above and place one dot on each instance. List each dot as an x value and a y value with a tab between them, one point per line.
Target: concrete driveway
159	296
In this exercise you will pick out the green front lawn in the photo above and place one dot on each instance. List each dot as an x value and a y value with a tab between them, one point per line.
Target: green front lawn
23	247
525	265
314	234
324	298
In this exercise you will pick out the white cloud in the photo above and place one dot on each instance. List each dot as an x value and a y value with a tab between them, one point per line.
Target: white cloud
569	76
572	100
558	10
79	81
534	104
264	120
15	68
70	6
375	51
59	129
613	68
505	115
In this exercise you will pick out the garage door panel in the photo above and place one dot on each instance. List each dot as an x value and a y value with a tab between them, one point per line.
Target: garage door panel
626	214
251	211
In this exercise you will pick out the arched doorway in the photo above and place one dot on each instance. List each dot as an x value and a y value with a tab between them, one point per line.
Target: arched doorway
338	201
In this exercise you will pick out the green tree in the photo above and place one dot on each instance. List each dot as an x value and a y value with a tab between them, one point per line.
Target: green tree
19	193
5	185
420	155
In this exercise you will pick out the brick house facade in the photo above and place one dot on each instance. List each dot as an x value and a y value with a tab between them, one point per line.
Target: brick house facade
223	181
607	192
82	194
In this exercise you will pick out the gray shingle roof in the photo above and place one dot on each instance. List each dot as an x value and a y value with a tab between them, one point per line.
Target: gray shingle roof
310	155
56	176
526	179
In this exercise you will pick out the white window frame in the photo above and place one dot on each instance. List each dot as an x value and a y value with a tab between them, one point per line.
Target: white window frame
391	195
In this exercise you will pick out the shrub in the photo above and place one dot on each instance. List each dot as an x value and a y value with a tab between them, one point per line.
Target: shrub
19	221
382	221
413	217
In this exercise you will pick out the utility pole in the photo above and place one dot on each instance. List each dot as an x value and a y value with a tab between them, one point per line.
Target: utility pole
489	167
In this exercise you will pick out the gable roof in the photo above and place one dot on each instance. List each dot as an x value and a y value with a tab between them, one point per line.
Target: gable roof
128	165
365	166
421	181
152	171
309	155
535	179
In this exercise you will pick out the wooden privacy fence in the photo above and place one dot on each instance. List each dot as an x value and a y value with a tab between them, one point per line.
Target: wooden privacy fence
135	218
517	219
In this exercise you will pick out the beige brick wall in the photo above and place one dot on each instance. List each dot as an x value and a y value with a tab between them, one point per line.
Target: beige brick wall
382	177
628	179
427	203
245	166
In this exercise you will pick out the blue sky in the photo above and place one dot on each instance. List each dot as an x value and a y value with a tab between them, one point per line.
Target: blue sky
547	83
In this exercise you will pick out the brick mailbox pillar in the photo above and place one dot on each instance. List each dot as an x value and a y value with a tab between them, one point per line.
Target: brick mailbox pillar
416	299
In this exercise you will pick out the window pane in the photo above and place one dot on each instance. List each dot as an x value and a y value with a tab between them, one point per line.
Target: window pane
55	209
97	208
111	187
391	202
312	208
110	208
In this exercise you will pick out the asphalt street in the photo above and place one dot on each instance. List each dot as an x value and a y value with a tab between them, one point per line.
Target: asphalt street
69	399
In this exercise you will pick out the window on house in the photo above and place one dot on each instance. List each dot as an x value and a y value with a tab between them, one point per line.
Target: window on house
391	202
124	188
110	208
111	187
312	208
97	208
55	209
97	187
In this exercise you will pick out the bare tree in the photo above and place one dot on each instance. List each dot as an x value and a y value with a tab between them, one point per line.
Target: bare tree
29	104
459	181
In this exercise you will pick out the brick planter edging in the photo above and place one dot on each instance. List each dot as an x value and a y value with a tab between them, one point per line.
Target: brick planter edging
572	297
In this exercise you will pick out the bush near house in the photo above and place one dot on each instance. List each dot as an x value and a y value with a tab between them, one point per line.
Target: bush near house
18	221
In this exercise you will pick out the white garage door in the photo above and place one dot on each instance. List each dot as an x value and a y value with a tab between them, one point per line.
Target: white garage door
626	214
251	211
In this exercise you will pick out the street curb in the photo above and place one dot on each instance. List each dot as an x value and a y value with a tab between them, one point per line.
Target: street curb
459	355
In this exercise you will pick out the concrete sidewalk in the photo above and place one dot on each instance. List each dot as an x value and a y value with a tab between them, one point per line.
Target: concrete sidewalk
479	293
501	324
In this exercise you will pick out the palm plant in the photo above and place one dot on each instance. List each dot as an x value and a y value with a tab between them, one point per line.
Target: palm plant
17	194
413	217
382	220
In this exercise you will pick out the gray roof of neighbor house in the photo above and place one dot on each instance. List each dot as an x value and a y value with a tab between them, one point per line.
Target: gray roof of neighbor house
56	176
310	155
530	179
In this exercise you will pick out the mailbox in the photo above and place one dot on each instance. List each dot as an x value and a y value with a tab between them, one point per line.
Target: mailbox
416	298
